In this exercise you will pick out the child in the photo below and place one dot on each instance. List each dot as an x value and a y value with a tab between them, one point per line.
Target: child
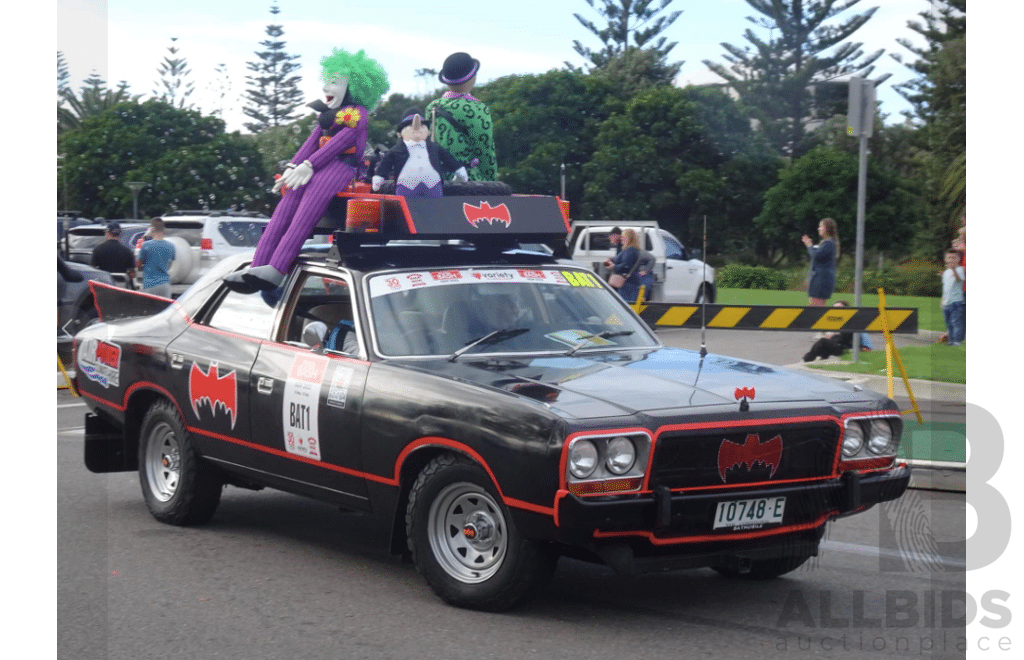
954	300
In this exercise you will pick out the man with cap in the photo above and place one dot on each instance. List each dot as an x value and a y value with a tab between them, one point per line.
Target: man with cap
113	256
461	122
615	239
420	165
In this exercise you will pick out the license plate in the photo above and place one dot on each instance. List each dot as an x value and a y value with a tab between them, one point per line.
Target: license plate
749	513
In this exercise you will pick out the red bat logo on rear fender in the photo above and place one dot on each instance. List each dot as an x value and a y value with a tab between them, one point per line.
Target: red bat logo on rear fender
732	455
213	388
492	214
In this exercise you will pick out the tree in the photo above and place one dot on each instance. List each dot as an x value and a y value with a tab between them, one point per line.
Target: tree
93	98
187	159
174	87
823	184
542	121
938	97
221	86
677	155
778	77
626	19
63	78
273	91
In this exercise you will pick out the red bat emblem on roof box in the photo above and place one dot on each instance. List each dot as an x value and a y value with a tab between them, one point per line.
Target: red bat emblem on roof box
485	212
732	455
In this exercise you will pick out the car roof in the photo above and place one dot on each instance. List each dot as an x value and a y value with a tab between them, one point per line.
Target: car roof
370	258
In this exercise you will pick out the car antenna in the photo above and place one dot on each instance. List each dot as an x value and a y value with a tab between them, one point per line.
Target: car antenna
704	290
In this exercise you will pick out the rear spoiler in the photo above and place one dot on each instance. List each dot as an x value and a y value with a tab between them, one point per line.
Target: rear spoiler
114	303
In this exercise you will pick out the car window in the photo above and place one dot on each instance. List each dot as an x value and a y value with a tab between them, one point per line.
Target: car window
322	314
241	233
438	312
250	314
673	248
599	241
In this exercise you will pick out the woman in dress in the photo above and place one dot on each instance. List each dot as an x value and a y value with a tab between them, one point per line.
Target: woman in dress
822	278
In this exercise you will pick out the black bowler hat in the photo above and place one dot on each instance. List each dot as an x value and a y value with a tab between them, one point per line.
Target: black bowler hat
458	68
407	118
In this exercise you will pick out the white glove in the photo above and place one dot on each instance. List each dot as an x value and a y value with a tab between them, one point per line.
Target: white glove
378	181
461	175
295	176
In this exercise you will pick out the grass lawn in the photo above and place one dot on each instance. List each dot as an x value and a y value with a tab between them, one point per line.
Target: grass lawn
929	310
934	362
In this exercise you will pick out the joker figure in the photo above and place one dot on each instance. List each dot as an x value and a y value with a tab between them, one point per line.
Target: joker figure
324	166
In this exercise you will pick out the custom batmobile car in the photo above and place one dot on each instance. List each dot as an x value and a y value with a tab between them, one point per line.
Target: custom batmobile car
499	408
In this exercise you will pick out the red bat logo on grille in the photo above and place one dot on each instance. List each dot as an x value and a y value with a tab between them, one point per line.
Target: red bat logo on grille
213	388
744	392
732	454
492	214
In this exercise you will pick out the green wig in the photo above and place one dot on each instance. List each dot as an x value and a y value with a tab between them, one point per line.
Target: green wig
367	80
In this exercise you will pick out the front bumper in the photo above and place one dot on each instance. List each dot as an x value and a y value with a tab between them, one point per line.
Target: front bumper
676	527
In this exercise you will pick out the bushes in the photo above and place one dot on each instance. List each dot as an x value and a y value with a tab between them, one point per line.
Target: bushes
917	277
751	277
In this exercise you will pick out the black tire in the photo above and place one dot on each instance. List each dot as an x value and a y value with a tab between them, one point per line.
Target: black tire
705	291
766	569
465	543
477	189
187	495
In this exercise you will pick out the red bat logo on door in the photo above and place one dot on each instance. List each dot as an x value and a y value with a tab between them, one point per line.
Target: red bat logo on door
213	388
732	454
492	214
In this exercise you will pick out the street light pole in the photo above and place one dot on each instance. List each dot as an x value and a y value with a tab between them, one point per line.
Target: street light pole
135	187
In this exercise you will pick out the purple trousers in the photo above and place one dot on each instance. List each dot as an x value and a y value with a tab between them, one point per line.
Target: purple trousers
296	215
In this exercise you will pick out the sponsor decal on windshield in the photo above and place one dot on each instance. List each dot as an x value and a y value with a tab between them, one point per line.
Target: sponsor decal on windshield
384	285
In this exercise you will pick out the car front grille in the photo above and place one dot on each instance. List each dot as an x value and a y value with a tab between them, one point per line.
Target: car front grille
731	456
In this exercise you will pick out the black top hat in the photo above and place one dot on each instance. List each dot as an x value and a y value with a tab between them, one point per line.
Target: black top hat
458	68
407	118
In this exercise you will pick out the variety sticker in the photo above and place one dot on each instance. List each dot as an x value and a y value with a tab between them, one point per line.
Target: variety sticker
381	286
338	393
100	361
302	405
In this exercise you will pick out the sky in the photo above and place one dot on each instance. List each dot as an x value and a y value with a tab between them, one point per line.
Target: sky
127	39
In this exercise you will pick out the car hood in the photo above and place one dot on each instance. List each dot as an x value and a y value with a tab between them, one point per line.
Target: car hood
615	384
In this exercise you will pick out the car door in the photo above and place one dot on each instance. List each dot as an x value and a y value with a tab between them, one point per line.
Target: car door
210	365
307	397
682	275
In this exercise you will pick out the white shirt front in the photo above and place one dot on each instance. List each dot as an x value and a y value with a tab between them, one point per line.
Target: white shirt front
417	169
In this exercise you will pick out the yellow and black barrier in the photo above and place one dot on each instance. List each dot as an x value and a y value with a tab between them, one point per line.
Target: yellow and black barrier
901	320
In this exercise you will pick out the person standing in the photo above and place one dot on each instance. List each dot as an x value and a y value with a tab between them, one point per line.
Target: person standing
461	122
635	264
155	257
821	279
954	299
113	256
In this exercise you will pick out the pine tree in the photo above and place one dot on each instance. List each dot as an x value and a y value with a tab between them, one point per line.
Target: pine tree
778	78
626	19
221	87
273	92
174	87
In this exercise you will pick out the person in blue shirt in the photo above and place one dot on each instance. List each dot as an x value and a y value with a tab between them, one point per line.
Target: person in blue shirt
155	257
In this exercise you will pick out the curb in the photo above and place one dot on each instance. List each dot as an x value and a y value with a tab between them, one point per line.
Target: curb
924	389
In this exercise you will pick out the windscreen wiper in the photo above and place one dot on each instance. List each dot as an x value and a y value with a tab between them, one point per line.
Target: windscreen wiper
489	338
603	335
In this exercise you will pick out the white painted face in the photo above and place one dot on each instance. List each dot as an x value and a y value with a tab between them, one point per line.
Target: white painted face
334	91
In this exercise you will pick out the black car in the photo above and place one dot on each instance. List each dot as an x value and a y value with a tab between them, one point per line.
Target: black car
499	409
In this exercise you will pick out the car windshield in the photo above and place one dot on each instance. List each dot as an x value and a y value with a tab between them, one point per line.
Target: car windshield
438	313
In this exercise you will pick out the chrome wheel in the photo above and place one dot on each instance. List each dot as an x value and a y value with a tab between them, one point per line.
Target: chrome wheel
467	533
163	462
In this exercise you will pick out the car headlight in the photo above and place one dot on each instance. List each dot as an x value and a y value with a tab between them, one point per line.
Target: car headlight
582	459
880	437
853	440
621	454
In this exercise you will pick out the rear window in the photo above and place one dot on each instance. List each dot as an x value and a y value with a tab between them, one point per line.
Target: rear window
241	233
192	232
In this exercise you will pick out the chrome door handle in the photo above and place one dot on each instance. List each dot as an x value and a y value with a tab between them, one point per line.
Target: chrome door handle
177	361
265	385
